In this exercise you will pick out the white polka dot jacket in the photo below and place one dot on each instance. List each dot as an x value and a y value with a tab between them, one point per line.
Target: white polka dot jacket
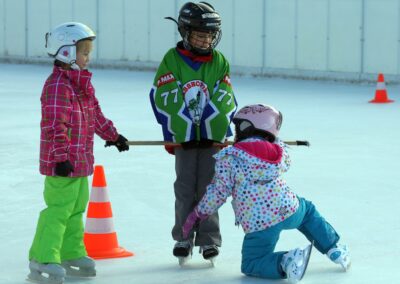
250	171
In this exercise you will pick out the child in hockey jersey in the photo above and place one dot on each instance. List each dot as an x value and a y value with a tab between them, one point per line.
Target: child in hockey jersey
71	115
250	171
192	99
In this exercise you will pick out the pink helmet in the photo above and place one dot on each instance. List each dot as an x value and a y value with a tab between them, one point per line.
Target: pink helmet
258	119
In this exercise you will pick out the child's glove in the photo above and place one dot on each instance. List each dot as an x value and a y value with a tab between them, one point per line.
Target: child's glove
224	145
120	143
63	169
170	149
191	221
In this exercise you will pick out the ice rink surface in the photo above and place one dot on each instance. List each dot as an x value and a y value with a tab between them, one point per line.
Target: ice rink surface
351	172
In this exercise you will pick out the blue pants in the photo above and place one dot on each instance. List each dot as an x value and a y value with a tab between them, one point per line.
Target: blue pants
258	256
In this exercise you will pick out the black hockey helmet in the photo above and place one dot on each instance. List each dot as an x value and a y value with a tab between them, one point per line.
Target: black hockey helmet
198	17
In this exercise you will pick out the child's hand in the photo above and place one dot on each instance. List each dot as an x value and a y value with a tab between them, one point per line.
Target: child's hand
120	143
63	169
191	221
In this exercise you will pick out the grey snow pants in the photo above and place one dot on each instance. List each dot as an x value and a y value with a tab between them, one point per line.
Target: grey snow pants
194	171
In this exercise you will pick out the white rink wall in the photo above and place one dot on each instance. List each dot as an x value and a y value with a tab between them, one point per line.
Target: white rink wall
335	39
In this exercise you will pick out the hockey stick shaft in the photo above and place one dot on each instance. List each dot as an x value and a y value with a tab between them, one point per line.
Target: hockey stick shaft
165	143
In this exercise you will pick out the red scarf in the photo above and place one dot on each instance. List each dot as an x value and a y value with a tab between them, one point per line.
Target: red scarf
195	57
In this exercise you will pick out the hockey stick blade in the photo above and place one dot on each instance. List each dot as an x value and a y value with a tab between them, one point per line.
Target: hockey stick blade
301	143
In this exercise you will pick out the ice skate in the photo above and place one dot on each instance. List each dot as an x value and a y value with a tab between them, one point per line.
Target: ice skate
294	263
46	273
210	252
340	255
183	251
81	267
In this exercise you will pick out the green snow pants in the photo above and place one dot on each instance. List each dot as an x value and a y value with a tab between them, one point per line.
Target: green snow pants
59	233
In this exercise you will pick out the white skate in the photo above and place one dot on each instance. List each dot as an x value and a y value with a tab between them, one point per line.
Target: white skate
210	252
340	255
50	273
294	263
81	267
183	251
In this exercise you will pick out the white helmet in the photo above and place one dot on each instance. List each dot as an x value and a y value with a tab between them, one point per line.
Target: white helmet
257	119
61	41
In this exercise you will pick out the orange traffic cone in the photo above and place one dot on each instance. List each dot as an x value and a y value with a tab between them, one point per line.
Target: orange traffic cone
381	93
100	237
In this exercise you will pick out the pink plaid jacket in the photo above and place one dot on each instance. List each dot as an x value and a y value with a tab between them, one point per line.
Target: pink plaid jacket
70	116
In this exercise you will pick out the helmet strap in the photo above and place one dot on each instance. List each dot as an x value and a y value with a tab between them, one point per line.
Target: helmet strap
67	54
75	66
172	19
186	43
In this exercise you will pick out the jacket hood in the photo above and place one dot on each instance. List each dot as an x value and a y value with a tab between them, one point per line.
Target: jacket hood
264	150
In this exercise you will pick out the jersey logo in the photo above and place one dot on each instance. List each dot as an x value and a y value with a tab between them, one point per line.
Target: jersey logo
227	80
196	97
165	79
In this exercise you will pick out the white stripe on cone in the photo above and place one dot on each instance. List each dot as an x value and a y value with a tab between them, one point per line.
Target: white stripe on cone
99	194
99	226
381	86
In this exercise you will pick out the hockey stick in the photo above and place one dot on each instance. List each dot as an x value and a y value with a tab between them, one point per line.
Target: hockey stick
227	143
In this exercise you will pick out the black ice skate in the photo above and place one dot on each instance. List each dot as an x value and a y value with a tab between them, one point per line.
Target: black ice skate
183	250
210	252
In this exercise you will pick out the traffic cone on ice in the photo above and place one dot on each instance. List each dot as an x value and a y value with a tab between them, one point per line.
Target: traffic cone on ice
381	93
100	237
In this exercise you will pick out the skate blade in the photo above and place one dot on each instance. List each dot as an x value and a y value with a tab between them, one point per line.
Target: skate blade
212	261
183	260
80	272
307	259
39	278
346	266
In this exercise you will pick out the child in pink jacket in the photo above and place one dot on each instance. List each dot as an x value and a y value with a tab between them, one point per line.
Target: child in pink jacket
251	172
71	115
